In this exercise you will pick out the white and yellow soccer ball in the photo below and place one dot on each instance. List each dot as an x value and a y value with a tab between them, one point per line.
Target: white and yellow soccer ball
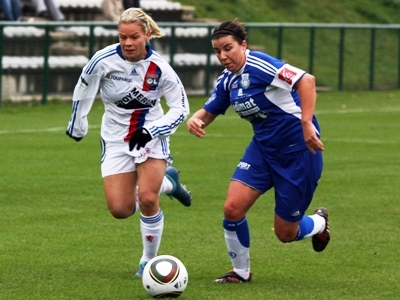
165	276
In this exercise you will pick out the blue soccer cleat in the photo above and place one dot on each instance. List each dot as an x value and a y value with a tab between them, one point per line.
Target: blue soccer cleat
139	272
179	191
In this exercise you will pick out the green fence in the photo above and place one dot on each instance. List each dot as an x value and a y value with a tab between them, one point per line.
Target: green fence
341	56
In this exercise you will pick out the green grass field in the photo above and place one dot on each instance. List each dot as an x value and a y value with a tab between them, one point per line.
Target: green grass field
58	240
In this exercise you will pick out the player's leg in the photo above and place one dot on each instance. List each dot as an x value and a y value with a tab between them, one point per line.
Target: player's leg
150	174
152	226
295	184
173	187
247	184
315	225
119	179
151	170
236	231
120	194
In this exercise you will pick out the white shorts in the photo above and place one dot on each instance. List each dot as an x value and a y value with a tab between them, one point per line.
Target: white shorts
116	157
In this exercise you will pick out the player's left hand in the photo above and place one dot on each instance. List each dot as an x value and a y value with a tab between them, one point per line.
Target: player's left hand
312	141
139	139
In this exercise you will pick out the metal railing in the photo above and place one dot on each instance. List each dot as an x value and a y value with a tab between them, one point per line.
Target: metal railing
376	46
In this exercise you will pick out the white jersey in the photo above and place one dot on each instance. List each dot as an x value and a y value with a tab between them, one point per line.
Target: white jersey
131	93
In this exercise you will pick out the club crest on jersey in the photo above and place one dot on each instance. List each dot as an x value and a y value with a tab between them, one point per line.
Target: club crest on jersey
152	79
245	82
287	75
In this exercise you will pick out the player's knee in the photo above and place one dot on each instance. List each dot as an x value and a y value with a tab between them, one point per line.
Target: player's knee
149	205
231	212
285	236
120	211
120	214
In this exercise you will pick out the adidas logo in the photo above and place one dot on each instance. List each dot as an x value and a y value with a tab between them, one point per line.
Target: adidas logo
296	213
134	72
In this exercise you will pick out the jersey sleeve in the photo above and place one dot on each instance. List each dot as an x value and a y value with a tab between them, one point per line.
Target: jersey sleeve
178	104
84	95
287	76
219	100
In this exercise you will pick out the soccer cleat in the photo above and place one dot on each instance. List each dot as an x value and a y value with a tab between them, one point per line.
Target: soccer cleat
232	277
179	191
139	272
321	240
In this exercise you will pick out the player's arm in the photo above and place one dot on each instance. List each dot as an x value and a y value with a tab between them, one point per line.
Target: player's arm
176	98
178	104
308	97
84	95
216	105
198	121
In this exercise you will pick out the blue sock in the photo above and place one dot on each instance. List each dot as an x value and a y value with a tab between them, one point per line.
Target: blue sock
306	226
242	230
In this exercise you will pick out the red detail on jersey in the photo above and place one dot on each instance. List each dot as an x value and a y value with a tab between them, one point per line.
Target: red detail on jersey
136	118
149	238
151	78
287	75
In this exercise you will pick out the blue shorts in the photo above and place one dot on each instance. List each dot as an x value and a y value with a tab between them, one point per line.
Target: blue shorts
294	176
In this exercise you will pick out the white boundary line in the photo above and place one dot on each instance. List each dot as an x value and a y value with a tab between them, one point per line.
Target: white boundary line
51	129
217	135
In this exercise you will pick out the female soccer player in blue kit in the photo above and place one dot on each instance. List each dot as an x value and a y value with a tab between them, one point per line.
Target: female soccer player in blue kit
285	152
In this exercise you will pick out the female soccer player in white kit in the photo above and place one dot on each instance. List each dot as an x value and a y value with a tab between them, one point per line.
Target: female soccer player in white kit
135	131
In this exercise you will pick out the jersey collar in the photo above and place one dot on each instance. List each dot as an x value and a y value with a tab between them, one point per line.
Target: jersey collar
245	63
149	51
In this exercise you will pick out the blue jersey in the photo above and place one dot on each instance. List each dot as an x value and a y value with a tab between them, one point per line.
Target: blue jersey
263	93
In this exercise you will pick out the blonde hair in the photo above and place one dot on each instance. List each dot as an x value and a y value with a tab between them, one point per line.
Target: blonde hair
133	15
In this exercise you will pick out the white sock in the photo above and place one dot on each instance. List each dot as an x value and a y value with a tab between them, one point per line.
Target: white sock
319	225
137	207
166	186
151	229
241	259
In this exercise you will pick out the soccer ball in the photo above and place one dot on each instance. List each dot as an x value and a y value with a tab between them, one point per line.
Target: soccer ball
165	276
